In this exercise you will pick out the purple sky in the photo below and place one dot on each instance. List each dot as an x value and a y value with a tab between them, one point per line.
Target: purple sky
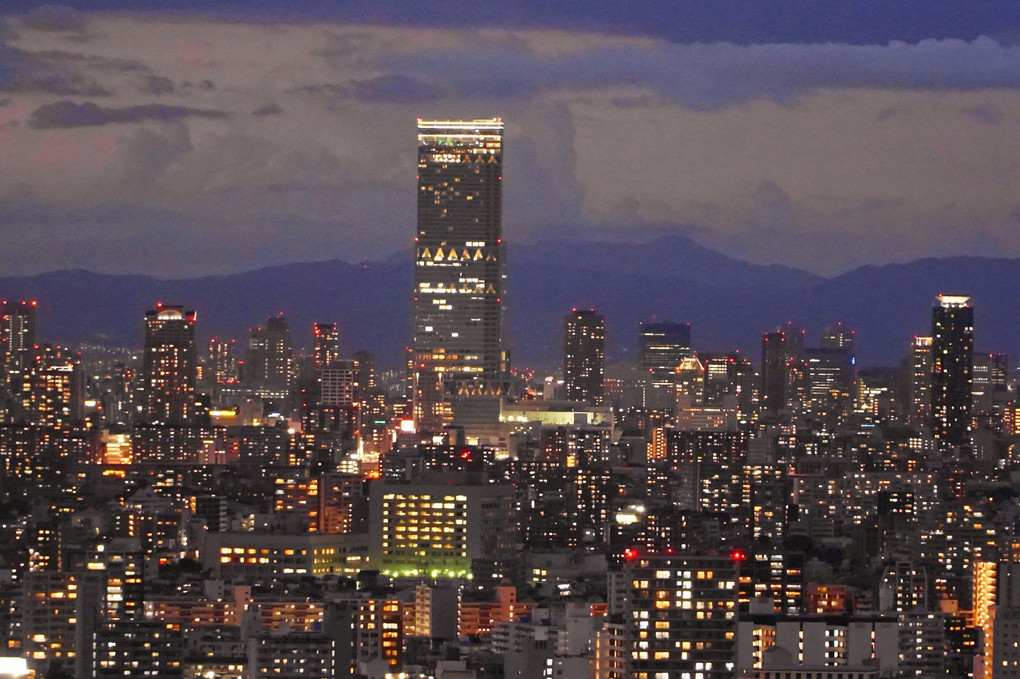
199	140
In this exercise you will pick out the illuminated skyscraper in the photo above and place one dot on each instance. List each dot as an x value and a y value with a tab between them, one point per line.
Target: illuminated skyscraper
584	355
920	382
458	297
17	339
268	366
169	366
222	363
952	352
663	346
327	344
53	391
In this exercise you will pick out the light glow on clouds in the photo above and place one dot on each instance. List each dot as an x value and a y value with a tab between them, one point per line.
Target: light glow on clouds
183	146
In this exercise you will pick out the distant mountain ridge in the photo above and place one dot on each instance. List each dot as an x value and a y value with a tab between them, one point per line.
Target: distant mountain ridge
729	303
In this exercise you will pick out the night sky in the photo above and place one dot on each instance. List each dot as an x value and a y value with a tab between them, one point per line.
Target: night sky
209	137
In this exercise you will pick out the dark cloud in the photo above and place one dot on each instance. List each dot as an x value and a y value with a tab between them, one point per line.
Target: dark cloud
22	71
70	114
270	109
158	85
396	89
708	76
984	113
861	22
55	18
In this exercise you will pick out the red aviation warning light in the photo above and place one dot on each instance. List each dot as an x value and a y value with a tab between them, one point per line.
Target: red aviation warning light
738	555
630	554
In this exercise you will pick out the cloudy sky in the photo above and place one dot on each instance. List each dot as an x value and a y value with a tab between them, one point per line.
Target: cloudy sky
209	137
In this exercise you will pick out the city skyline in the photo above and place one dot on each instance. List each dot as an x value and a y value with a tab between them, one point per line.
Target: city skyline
806	142
590	402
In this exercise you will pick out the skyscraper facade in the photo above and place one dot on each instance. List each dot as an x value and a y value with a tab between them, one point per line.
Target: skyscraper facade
920	382
169	366
268	366
17	339
952	353
775	355
584	355
663	346
327	344
458	297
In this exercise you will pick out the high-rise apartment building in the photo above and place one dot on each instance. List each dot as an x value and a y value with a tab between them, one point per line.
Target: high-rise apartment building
53	388
268	367
169	366
680	615
920	382
952	352
775	354
584	355
327	344
458	281
221	362
17	338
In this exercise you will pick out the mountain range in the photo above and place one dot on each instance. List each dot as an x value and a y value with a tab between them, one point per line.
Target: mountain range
728	302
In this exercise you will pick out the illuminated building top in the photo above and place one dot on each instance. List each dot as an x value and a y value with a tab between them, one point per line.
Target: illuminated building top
949	301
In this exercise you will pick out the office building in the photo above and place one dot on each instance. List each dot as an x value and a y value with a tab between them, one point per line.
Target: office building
774	356
440	529
952	351
663	346
169	367
458	296
268	367
584	356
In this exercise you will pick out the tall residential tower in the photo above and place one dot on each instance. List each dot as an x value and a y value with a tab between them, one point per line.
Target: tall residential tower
584	355
169	367
458	296
952	353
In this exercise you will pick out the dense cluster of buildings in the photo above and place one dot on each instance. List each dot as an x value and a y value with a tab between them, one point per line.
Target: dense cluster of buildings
205	509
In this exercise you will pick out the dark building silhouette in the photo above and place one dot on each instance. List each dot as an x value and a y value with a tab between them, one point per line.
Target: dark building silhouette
268	366
584	355
663	346
952	351
774	357
17	338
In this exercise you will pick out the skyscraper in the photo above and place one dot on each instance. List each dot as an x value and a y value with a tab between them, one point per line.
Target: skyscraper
221	362
17	339
53	392
920	382
327	344
458	296
663	346
268	366
584	355
774	357
169	366
952	352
